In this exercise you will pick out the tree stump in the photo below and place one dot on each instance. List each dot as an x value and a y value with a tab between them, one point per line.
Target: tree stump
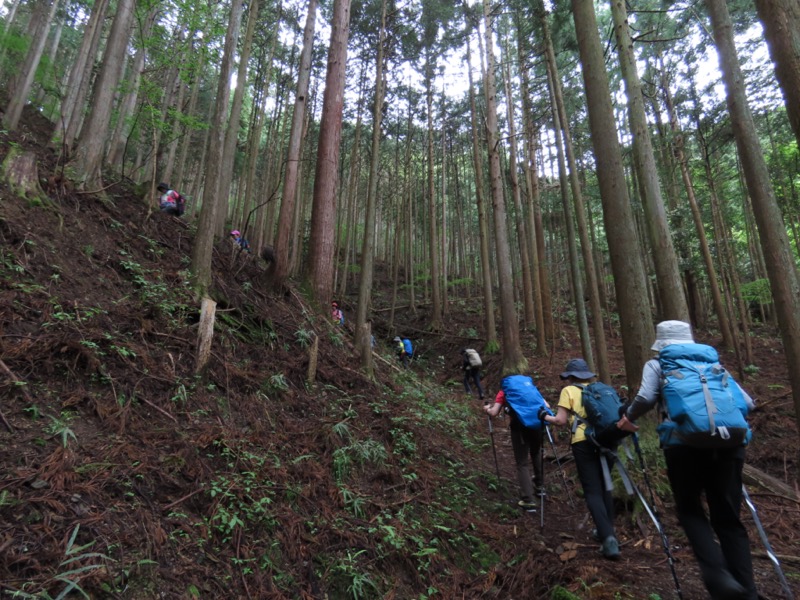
21	174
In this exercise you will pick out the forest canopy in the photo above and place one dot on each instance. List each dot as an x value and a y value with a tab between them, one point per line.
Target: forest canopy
625	162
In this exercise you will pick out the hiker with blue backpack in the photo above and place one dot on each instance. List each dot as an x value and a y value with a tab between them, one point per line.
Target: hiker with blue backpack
591	460
521	399
704	451
400	350
409	348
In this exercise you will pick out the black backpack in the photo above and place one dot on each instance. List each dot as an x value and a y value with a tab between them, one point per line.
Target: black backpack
603	407
180	203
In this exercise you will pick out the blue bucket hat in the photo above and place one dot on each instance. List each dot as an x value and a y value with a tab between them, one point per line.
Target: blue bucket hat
577	368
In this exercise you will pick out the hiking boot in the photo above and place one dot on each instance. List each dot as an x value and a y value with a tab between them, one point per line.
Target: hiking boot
610	548
595	534
723	586
526	505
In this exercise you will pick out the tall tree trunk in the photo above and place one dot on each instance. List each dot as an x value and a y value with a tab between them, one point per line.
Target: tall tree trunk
445	223
729	267
569	236
301	199
188	132
41	20
781	21
232	135
665	260
780	263
433	237
154	163
91	146
352	190
705	251
629	276
50	59
12	12
72	107
266	74
483	227
128	104
319	271
204	240
532	185
368	244
522	233
172	145
601	353
513	359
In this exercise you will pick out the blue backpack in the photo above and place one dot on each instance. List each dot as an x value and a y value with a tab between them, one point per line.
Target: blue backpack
409	348
603	407
706	407
524	400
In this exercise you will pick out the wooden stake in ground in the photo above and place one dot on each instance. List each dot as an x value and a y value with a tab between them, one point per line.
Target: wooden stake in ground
206	333
313	356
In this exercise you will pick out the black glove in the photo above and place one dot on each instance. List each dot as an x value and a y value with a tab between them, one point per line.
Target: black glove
543	412
623	410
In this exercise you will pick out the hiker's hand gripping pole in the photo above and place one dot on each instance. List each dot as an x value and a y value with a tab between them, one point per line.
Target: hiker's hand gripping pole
558	462
486	407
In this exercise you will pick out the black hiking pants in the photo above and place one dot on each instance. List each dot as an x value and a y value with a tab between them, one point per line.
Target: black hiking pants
171	209
717	473
599	501
527	445
474	374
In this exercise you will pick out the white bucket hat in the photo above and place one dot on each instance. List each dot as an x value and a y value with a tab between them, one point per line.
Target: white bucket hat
672	332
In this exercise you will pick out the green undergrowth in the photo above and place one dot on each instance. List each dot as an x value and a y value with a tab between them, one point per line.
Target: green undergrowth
420	536
361	489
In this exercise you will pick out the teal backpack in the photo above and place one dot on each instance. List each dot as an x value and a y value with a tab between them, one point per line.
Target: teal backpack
603	408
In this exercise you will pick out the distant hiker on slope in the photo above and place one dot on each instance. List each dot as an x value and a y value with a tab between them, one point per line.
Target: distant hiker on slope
239	240
400	350
170	201
521	399
409	349
704	453
471	364
336	313
588	455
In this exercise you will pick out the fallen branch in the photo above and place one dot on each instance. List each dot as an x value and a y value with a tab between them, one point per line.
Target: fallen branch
780	557
179	500
752	476
159	409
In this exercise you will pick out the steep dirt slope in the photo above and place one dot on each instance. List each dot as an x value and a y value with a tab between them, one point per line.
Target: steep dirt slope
125	473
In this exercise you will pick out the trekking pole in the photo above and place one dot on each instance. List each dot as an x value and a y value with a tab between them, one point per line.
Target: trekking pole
558	462
542	494
767	547
494	449
652	512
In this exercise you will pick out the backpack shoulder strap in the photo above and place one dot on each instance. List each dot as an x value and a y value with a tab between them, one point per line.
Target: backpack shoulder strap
578	420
